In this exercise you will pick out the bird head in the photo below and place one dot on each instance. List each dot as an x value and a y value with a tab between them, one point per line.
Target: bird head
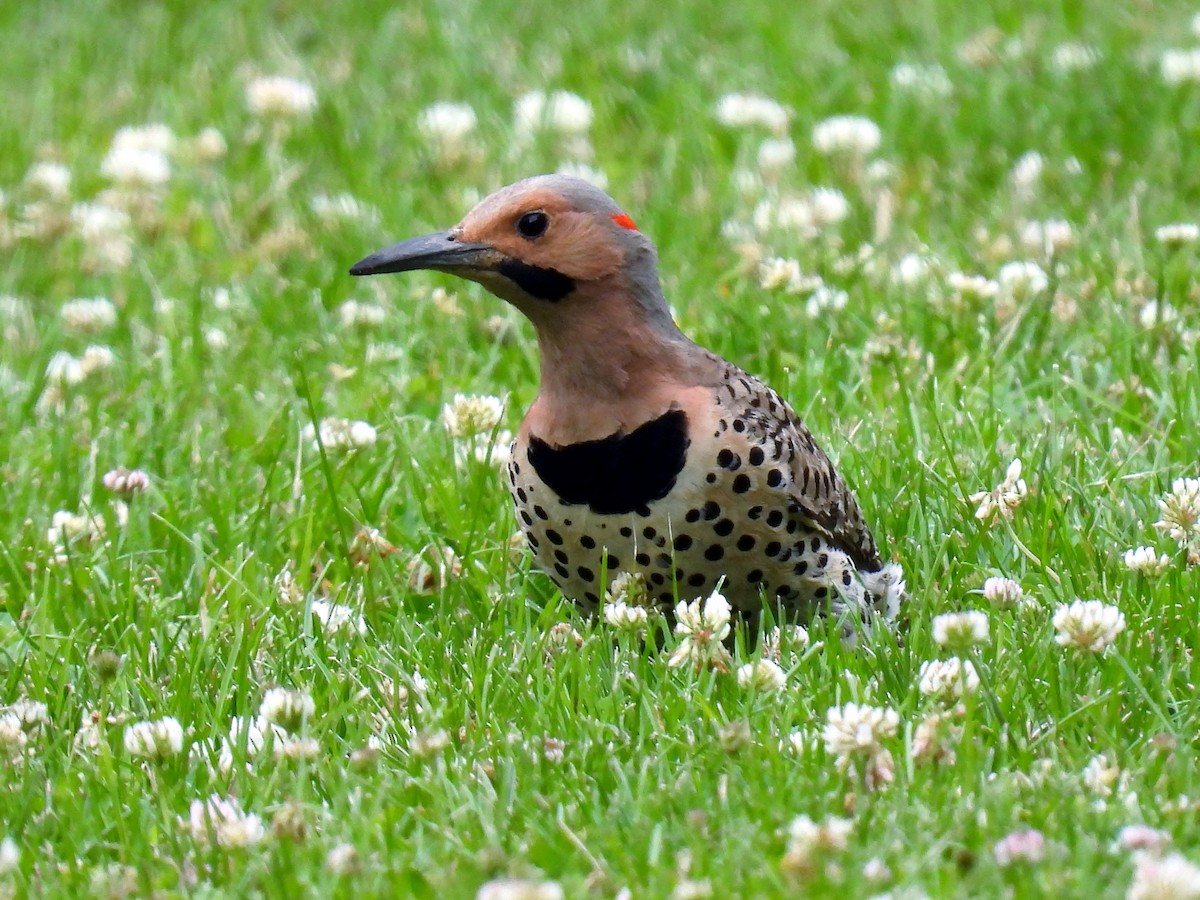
551	245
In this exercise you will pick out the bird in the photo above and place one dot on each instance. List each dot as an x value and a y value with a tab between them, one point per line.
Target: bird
643	452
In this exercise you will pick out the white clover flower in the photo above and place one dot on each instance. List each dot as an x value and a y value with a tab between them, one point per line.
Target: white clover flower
64	370
1047	237
1027	172
624	617
560	111
252	734
775	272
342	859
49	179
960	629
827	206
96	358
1004	498
432	568
935	737
977	286
825	299
32	714
209	145
68	527
136	168
703	624
1147	561
449	129
520	889
295	748
763	676
223	822
155	740
1180	66
745	110
792	638
1154	313
1177	234
485	449
215	339
1002	591
630	589
155	137
289	709
280	97
89	315
912	270
1088	625
858	730
1180	511
852	136
472	414
105	232
10	855
336	617
788	213
1027	845
358	314
446	122
929	80
1100	775
125	481
950	679
286	587
427	743
1171	877
12	737
1142	837
809	841
1021	278
341	434
1074	57
875	869
879	175
775	156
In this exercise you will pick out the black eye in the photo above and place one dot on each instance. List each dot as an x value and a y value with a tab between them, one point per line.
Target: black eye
533	224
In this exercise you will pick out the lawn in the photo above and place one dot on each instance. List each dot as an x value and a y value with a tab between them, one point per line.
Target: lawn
264	627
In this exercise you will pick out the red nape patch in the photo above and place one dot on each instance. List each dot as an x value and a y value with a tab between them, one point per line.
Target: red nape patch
624	221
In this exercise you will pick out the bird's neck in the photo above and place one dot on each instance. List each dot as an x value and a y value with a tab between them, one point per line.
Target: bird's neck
612	365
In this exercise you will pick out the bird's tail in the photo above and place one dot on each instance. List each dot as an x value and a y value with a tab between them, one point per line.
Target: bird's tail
885	589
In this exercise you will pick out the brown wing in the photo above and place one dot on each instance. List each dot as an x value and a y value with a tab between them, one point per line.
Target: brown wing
817	494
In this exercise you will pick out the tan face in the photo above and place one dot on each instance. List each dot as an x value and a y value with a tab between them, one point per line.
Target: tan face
539	228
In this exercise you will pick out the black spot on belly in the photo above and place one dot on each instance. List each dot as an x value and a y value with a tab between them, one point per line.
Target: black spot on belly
619	473
543	284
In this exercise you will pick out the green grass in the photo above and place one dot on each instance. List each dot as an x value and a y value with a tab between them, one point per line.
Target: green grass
921	403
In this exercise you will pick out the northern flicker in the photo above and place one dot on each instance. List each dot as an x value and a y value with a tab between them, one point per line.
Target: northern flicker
644	452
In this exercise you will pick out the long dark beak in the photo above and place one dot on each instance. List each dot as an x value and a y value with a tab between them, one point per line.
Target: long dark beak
433	251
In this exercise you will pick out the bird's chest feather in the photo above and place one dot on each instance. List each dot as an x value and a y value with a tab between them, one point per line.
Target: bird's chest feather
657	501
